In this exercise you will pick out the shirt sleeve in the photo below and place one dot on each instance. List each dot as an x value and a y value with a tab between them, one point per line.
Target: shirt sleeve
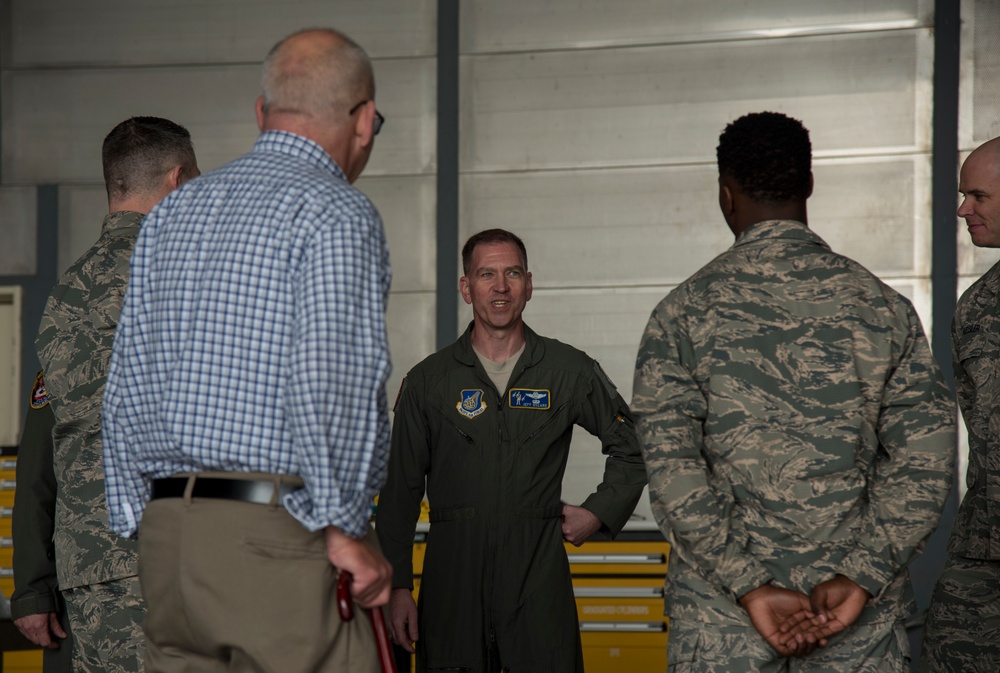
913	469
606	415
399	501
337	370
694	509
125	488
33	522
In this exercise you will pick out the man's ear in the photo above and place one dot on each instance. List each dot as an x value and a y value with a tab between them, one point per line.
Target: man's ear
364	124
175	177
811	184
259	111
726	202
463	286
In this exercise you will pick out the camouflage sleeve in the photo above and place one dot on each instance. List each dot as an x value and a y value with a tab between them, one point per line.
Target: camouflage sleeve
606	415
35	582
399	501
693	508
913	470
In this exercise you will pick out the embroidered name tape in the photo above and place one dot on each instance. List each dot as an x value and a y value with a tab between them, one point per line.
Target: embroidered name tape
528	398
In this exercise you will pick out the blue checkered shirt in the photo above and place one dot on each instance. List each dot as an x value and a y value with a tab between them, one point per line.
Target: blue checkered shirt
252	338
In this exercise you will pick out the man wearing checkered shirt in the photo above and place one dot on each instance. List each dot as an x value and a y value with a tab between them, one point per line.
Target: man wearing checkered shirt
245	420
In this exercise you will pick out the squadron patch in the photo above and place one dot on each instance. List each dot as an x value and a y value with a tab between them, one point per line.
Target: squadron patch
39	398
527	398
472	403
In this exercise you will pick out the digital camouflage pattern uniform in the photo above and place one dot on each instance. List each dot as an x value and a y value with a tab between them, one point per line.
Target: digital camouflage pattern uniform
963	624
795	426
97	568
36	588
496	582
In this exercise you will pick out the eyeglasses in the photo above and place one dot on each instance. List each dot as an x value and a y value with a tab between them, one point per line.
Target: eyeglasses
379	119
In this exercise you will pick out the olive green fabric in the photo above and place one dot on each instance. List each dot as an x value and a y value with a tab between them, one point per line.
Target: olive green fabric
495	573
36	588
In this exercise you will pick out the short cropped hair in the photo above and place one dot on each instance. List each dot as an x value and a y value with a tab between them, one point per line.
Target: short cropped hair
139	151
769	156
327	79
487	237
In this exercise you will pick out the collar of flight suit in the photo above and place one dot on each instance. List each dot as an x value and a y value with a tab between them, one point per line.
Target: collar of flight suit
534	349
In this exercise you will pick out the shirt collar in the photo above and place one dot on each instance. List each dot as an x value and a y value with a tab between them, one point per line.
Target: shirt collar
771	229
294	145
121	222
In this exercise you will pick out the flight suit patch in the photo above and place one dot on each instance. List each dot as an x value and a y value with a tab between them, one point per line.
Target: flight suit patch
39	398
528	398
472	403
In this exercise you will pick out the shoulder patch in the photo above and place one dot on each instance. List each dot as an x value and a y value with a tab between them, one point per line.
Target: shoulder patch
472	403
39	398
529	398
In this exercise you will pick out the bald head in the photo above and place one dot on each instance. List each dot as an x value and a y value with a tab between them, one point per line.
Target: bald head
980	185
318	74
987	153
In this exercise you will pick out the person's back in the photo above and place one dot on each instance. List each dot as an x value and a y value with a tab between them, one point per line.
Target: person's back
223	289
797	432
811	342
144	158
245	420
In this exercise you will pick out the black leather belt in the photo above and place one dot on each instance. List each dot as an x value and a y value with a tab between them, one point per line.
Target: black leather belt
244	490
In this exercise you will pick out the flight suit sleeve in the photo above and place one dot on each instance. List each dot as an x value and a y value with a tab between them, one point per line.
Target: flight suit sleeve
36	587
688	500
399	500
913	469
606	415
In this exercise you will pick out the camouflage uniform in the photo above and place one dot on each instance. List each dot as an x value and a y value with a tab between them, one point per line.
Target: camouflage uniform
963	623
96	568
795	426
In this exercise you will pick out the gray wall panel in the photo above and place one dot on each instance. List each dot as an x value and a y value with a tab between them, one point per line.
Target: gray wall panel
55	120
18	230
81	212
515	25
639	106
410	323
657	226
124	32
407	208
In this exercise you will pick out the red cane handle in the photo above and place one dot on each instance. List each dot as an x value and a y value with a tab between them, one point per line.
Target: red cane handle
344	603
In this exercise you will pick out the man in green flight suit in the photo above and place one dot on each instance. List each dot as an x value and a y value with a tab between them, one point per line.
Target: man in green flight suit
144	159
36	604
487	423
798	435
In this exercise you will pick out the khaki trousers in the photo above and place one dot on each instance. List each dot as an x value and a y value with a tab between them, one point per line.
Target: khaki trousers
240	587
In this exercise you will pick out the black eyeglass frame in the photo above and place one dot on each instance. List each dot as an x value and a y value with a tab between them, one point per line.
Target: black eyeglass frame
379	117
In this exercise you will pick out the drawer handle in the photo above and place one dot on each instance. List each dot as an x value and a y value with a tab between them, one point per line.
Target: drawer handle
618	592
619	627
653	559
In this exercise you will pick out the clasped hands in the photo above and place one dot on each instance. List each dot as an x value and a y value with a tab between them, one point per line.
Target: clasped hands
795	624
